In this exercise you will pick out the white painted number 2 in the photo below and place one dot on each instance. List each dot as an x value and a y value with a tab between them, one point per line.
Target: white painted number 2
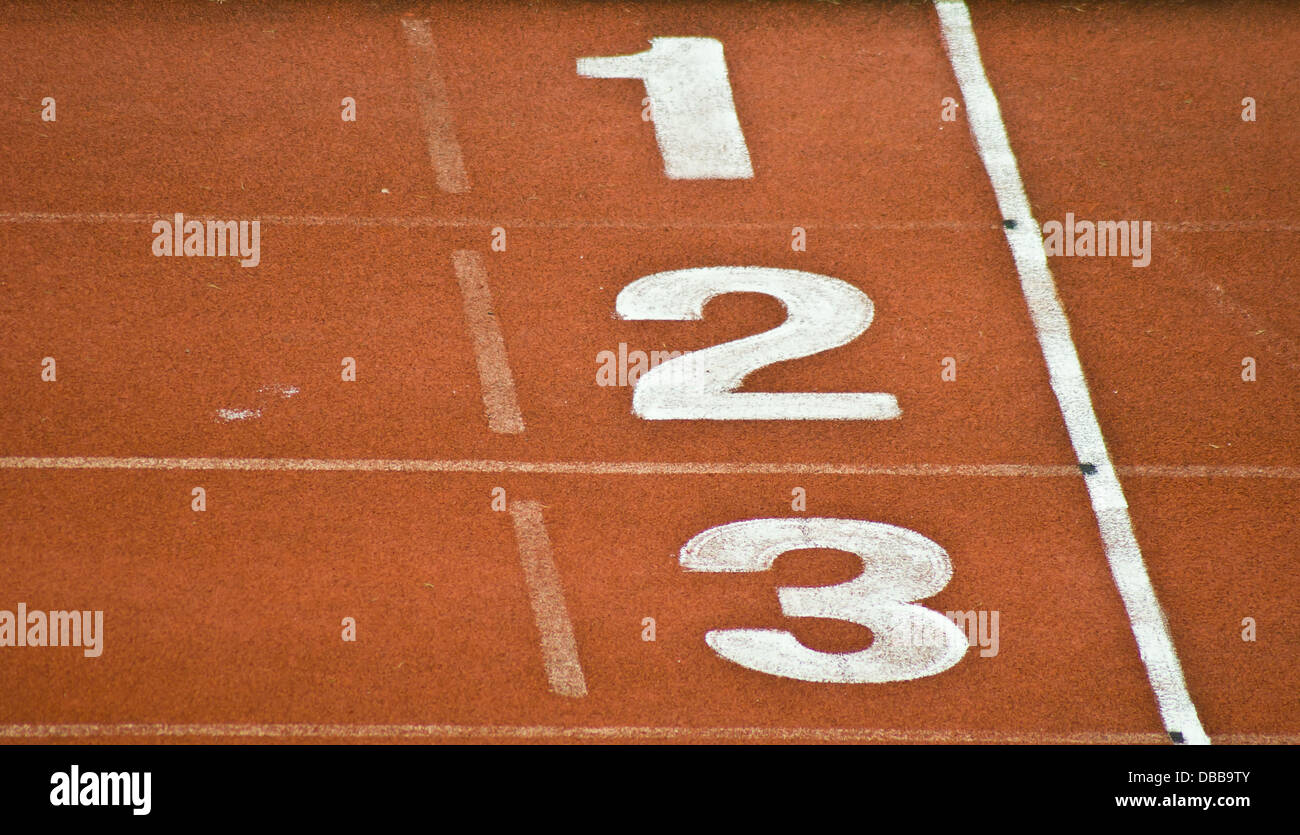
898	566
694	115
822	313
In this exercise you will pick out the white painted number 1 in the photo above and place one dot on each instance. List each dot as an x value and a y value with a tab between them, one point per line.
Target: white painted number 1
821	313
690	101
898	566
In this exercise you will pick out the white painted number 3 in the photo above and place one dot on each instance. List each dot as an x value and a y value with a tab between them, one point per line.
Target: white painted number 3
898	566
821	313
694	115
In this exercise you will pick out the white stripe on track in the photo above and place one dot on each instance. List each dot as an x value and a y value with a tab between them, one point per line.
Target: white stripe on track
430	221
417	465
625	732
435	110
619	732
498	383
1155	645
546	596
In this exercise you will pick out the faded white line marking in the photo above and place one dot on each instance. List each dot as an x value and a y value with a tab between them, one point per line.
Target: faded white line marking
546	596
1206	471
423	221
1233	310
238	414
633	732
489	345
416	465
282	389
435	110
1155	645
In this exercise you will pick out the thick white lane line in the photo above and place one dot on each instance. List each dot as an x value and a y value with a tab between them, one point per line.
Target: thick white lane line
417	465
624	732
435	110
489	345
1155	645
546	596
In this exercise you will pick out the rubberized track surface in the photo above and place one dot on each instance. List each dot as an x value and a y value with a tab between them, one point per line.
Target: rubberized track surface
373	499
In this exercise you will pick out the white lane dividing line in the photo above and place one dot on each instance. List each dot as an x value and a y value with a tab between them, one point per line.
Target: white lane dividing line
1155	645
435	110
428	221
489	345
470	465
314	731
546	596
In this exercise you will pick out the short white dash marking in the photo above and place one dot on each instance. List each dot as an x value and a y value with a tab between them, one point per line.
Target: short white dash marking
489	346
238	414
435	110
546	595
1276	226
1155	645
285	391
